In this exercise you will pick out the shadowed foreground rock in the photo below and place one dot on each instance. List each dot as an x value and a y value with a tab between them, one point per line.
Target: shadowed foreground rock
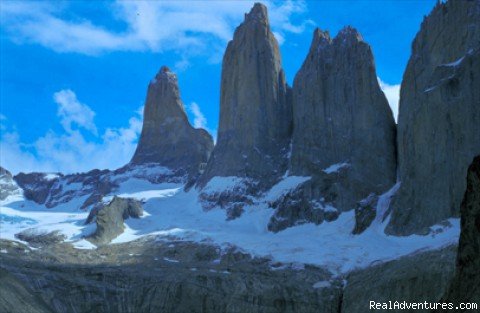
175	276
465	286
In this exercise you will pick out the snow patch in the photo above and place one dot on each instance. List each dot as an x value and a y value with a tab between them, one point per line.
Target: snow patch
51	176
175	214
335	167
284	186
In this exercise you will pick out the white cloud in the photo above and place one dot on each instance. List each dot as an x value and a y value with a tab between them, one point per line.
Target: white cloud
392	92
199	120
72	112
187	27
71	151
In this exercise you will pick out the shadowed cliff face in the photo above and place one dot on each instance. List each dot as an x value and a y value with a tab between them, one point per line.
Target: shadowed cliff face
439	118
167	137
255	116
465	286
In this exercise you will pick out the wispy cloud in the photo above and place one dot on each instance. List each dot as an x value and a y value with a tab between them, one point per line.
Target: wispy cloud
71	151
187	27
392	92
199	119
72	112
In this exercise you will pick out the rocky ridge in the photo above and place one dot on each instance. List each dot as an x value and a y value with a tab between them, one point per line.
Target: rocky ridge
87	189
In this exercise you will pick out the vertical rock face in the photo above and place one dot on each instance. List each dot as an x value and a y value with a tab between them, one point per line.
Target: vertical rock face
439	118
340	113
167	137
255	116
465	286
343	132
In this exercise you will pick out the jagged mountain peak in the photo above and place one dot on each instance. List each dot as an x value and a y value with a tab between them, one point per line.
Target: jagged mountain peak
320	39
348	34
258	13
167	137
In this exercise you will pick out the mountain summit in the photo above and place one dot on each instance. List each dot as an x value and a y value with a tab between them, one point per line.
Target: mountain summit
255	116
167	137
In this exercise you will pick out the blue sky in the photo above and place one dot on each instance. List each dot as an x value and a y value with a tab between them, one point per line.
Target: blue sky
74	74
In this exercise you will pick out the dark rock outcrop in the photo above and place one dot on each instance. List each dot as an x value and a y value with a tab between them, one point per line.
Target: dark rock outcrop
465	286
167	137
304	205
365	213
110	218
439	118
255	115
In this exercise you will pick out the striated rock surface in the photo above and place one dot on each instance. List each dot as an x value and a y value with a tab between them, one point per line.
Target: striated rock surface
167	137
110	218
465	286
16	297
255	116
340	114
439	117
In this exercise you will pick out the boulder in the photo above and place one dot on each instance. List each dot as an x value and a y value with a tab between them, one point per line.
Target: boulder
110	218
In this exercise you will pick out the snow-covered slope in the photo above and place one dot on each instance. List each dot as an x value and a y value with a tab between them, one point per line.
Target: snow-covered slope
173	213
